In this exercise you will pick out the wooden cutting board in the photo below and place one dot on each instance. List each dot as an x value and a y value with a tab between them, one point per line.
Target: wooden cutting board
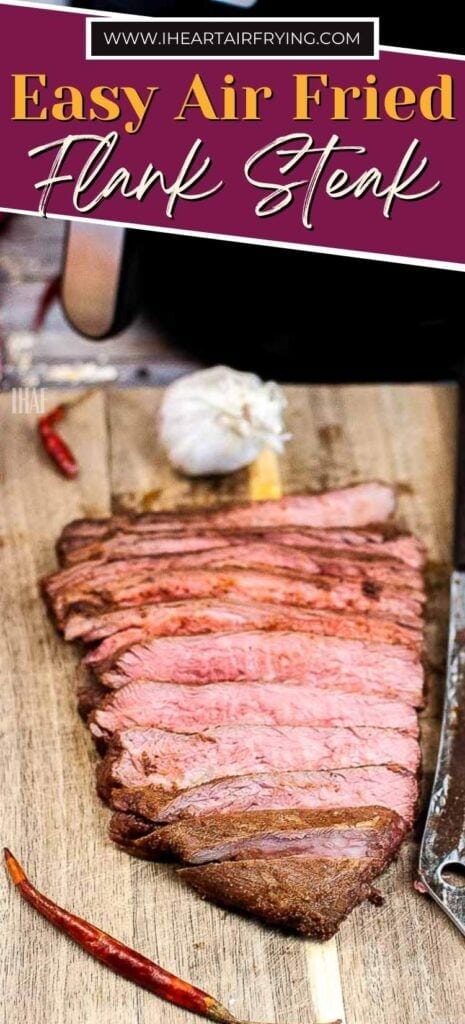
402	964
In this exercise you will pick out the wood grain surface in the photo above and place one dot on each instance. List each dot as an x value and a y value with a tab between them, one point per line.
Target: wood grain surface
401	964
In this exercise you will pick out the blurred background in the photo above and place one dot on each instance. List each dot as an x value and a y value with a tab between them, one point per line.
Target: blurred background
31	256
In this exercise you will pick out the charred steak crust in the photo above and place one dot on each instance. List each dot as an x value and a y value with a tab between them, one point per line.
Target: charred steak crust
311	896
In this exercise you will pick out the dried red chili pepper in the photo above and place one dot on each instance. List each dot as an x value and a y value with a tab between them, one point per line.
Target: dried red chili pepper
116	955
54	445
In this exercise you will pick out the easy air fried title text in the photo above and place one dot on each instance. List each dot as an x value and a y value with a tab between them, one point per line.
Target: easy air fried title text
85	162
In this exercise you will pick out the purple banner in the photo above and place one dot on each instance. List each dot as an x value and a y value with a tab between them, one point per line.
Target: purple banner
351	156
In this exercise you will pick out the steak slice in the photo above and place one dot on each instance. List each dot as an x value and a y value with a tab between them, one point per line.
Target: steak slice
203	616
356	506
354	832
374	785
121	545
185	709
307	895
379	542
243	585
325	662
194	617
88	577
176	761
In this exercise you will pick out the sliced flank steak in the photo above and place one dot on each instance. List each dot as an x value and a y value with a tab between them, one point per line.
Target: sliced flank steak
354	832
180	708
356	506
324	662
119	627
175	761
374	785
244	585
308	895
256	670
297	560
141	545
378	542
72	585
191	617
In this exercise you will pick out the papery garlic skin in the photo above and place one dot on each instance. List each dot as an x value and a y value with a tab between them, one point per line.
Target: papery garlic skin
218	420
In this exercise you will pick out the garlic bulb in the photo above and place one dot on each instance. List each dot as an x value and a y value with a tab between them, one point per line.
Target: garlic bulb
218	420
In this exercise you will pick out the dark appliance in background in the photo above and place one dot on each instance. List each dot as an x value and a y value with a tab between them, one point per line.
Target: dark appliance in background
387	321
